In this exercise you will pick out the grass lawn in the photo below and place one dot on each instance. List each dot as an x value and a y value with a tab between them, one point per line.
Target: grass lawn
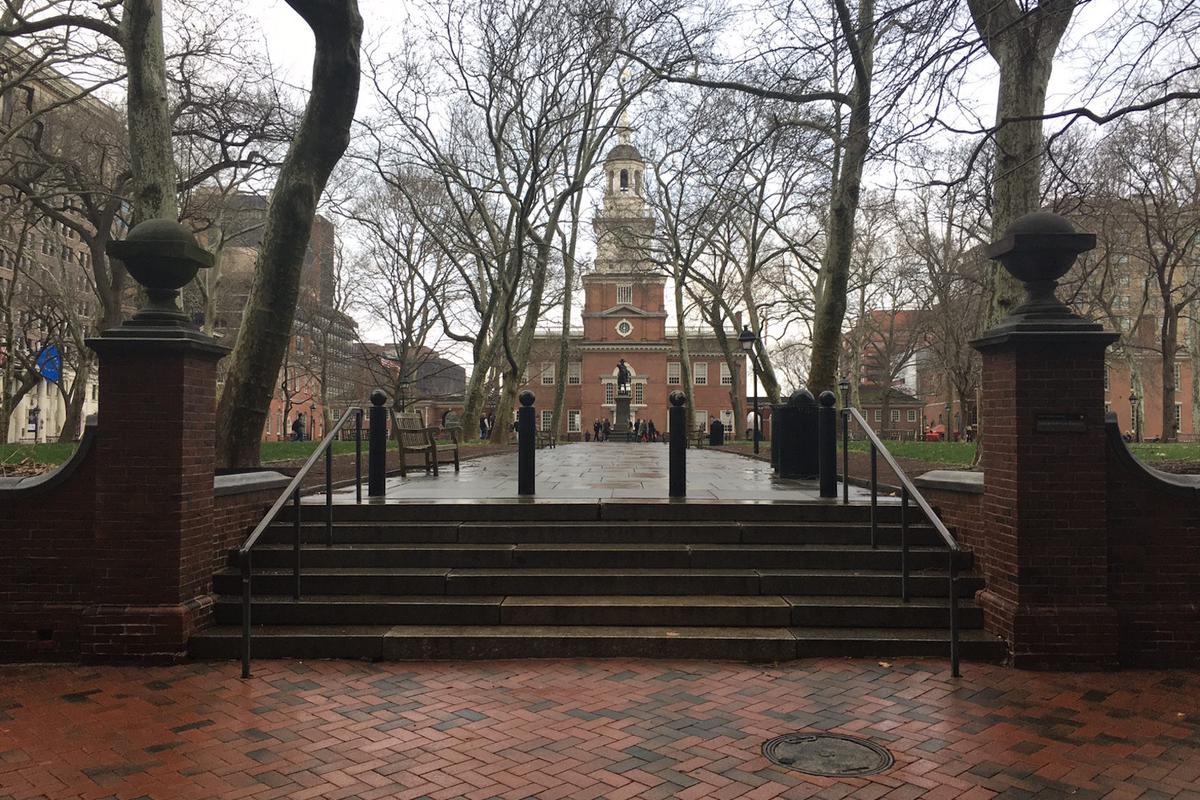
37	453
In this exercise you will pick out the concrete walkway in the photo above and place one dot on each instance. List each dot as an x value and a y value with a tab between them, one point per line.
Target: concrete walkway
602	471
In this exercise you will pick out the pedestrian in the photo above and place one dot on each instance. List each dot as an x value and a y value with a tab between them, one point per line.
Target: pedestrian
298	428
483	426
596	430
651	431
607	429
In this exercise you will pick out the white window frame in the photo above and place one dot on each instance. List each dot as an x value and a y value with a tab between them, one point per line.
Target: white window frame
879	415
727	420
625	294
912	415
726	375
699	417
700	373
676	368
545	419
1178	417
548	374
639	393
574	373
895	415
574	421
610	393
1178	374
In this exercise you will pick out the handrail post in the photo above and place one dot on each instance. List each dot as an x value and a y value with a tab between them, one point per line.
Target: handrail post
874	496
358	416
296	544
526	444
954	671
904	544
846	456
329	495
244	560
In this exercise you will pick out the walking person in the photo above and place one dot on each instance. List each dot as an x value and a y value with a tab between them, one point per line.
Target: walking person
607	429
298	428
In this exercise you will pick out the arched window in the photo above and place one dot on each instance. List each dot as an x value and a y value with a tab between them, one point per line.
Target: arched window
624	180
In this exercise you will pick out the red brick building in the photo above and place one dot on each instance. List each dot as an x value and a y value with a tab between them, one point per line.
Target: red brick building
625	316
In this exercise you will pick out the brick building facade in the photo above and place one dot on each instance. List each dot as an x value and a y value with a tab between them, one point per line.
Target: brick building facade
625	316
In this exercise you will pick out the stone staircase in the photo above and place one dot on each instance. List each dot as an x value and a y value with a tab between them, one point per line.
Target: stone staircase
511	579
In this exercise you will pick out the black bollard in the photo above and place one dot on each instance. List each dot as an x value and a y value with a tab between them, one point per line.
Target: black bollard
526	443
679	433
377	446
827	444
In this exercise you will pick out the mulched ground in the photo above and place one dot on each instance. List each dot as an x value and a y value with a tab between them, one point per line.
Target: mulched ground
588	729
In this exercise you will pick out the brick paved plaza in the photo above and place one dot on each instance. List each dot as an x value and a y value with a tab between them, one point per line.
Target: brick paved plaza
587	729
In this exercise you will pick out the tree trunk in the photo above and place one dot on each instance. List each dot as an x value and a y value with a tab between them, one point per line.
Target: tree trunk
835	264
1023	44
685	357
152	163
73	420
1170	342
564	347
477	388
1194	350
319	143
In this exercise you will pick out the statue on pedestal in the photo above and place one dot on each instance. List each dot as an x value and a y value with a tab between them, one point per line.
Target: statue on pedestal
622	378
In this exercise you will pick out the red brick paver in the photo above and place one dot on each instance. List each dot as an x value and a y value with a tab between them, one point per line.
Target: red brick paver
587	729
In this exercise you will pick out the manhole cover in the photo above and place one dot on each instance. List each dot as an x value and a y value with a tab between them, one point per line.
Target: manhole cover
827	754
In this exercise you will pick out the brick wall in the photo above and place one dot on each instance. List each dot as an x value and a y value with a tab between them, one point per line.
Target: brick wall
53	608
1154	560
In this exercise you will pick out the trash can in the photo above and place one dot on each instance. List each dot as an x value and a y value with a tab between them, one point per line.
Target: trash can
775	409
798	437
716	434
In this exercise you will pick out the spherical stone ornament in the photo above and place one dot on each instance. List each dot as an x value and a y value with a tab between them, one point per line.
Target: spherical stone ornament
802	398
378	397
526	398
1038	249
827	399
162	256
677	398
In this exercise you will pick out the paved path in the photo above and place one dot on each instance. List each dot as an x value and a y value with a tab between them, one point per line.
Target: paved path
587	729
602	471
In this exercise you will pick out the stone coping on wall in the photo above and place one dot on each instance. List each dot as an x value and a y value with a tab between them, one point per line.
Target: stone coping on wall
247	482
1179	485
14	488
951	480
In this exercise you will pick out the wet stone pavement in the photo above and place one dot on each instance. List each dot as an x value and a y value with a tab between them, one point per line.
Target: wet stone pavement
602	471
588	729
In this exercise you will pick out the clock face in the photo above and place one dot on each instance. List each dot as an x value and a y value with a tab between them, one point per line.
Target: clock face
624	327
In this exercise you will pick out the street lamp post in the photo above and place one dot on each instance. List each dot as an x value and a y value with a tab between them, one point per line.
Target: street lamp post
1133	411
747	339
949	424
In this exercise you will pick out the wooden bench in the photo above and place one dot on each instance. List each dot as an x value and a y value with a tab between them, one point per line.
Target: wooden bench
413	436
546	439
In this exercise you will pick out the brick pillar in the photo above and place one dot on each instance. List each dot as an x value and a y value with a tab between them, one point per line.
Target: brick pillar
1044	511
155	454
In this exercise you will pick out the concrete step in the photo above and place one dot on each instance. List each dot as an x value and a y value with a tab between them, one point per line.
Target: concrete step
620	610
594	532
610	556
404	642
597	581
664	509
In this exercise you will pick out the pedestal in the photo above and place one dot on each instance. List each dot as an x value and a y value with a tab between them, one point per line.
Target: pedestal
1044	511
154	493
621	426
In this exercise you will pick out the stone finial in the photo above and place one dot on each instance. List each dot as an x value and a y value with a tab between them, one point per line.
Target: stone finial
163	256
827	399
1038	249
677	398
802	398
526	398
378	397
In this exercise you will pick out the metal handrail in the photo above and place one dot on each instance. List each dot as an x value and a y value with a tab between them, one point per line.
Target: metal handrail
293	491
908	491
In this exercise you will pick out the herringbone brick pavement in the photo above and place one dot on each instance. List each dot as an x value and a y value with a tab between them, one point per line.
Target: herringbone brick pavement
587	729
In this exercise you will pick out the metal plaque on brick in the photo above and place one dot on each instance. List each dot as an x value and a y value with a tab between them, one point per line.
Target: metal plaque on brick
1060	423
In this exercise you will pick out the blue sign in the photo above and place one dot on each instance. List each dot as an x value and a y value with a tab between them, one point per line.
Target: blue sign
49	363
